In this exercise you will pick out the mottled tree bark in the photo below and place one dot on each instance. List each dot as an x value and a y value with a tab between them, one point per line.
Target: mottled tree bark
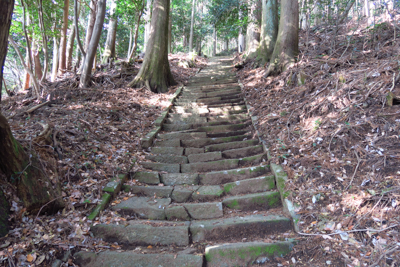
70	46
269	30
92	47
287	44
109	51
253	28
36	60
191	28
155	72
147	26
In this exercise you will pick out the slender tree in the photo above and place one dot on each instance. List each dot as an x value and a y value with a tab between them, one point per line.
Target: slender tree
191	27
155	72
109	51
287	44
147	26
92	47
63	43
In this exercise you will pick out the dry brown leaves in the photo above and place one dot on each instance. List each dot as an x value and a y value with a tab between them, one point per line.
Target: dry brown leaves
95	136
326	120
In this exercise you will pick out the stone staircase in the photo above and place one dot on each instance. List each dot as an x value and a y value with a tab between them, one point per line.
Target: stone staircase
208	197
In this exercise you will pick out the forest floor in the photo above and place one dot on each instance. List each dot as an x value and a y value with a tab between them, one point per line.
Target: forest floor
333	122
326	120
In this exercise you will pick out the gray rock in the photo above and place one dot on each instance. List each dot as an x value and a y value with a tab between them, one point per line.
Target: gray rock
144	207
168	143
218	177
193	150
200	211
168	158
203	157
179	178
168	150
253	185
130	259
166	167
259	226
153	191
207	193
210	166
147	177
183	193
143	233
177	213
257	201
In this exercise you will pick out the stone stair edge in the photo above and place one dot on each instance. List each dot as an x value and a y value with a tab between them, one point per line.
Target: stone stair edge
147	141
280	175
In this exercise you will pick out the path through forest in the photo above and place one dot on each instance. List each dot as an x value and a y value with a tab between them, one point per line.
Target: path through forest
207	188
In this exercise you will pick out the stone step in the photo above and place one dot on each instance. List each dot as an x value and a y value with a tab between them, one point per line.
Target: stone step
225	164
182	135
246	131
161	167
144	207
227	117
129	259
224	128
202	142
235	228
179	178
231	145
253	185
217	96
168	158
171	124
256	201
228	176
142	233
209	88
177	151
245	253
147	177
239	152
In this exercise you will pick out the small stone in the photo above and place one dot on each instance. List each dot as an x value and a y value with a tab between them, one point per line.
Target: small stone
177	213
147	177
204	210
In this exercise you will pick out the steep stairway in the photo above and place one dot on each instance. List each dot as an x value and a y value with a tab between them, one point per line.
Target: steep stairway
207	197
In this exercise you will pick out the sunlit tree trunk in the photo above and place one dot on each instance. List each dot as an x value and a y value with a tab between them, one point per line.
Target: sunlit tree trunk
92	47
36	60
70	46
287	44
109	51
269	30
91	21
214	41
155	72
133	51
191	27
241	41
63	43
170	32
54	68
147	26
253	28
44	39
27	76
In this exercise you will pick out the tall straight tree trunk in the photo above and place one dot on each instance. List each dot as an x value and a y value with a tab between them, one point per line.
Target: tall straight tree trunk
214	41
91	21
70	46
92	47
170	32
147	26
54	68
155	72
191	28
287	44
128	55
63	44
132	53
253	28
109	51
44	39
27	76
269	30
36	60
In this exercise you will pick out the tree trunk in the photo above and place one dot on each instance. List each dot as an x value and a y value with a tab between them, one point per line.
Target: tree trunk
170	32
109	51
27	77
214	41
147	26
70	46
55	60
132	53
155	72
5	22
36	61
253	28
78	40
44	39
63	43
24	170
269	30
287	44
94	41
91	21
191	28
241	41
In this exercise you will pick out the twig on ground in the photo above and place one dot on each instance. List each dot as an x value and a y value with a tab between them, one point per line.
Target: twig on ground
354	174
